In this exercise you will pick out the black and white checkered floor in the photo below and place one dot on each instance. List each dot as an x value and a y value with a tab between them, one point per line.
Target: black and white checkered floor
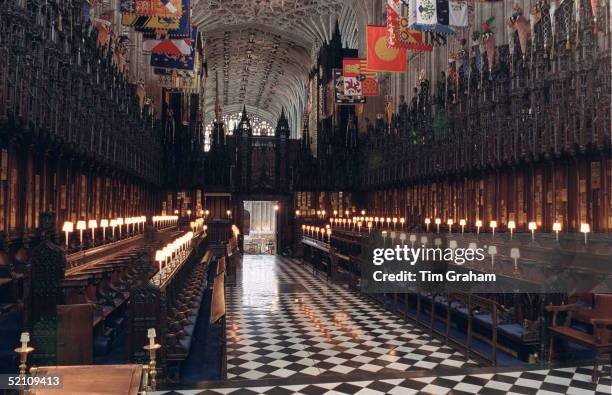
282	322
572	381
291	333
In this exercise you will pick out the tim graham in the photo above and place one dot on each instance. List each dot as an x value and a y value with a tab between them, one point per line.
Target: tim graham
428	276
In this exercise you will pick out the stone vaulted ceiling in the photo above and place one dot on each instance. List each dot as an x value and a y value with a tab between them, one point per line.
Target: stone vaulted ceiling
261	51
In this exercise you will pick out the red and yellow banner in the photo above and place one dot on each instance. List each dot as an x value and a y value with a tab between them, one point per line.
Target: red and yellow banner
355	67
380	56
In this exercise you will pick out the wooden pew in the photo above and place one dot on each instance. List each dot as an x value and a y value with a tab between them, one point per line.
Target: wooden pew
102	278
171	306
600	341
233	257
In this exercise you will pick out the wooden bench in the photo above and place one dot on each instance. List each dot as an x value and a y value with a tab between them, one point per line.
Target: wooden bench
171	305
600	341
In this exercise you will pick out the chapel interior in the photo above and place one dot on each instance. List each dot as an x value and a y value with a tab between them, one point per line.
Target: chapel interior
190	191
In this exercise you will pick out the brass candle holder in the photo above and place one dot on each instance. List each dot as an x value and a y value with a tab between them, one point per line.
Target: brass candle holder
152	348
23	352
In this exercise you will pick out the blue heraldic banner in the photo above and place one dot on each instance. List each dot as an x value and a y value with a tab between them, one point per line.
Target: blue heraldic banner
179	62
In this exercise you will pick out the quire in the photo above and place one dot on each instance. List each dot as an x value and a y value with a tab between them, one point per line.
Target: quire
280	196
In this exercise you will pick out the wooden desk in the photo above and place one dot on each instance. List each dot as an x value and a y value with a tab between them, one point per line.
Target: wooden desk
93	380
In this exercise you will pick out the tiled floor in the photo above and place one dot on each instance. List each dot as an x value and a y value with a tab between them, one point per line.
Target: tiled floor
290	333
572	381
282	322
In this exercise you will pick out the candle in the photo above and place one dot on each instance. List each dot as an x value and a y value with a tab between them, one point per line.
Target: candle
104	225
585	228
493	225
532	227
151	336
81	227
515	254
462	222
427	222
450	225
25	338
557	229
438	222
492	252
511	227
68	228
478	226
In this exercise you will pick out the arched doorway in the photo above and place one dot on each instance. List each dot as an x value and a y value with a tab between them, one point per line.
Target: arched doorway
260	227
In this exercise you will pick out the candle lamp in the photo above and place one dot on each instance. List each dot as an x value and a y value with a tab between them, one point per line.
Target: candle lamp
532	227
335	213
452	244
346	213
376	221
81	227
424	240
104	225
427	222
67	228
438	222
413	239
511	227
556	228
394	220
113	225
93	224
152	348
472	246
402	222
450	223
159	258
462	223
478	226
369	227
323	213
359	224
388	222
515	254
23	352
492	251
402	238
493	225
119	224
437	242
384	236
393	235
363	212
329	232
586	229
229	213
